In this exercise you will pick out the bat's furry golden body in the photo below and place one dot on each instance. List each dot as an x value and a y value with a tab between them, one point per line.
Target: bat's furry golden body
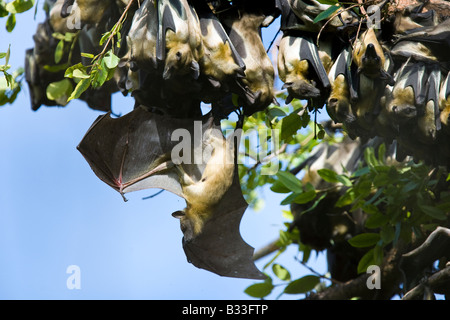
259	72
369	57
218	61
184	46
142	36
293	71
402	106
339	99
202	196
369	66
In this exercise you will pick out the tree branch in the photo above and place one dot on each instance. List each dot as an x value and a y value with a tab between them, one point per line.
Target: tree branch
390	279
436	280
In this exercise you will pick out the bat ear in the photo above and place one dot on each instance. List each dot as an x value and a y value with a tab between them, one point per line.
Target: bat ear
178	214
287	85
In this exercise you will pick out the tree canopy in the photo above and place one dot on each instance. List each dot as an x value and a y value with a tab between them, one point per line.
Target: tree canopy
365	177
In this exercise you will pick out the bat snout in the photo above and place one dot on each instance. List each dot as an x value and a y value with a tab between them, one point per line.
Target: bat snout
371	52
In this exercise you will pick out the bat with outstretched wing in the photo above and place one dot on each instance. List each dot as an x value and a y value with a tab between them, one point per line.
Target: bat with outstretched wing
190	158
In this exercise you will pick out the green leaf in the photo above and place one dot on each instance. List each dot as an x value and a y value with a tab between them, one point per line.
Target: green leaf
278	187
433	212
81	87
281	272
9	79
305	197
19	6
382	179
364	240
260	290
87	55
376	220
361	172
330	2
80	73
104	37
11	22
58	36
59	89
111	60
328	175
3	11
326	13
56	68
289	126
70	70
316	203
369	156
367	260
69	36
382	152
290	181
332	177
387	234
289	199
5	67
302	285
59	51
275	112
8	53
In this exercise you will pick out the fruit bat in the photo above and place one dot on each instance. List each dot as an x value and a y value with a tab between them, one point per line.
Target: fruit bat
142	150
429	122
369	56
90	11
142	36
244	31
221	64
339	105
370	78
444	101
179	44
429	44
300	68
307	11
411	19
408	93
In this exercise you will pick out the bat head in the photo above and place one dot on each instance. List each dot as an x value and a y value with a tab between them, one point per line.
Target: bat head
180	61
191	225
301	89
371	62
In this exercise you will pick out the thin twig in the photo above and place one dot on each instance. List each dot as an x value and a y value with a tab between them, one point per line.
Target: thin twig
334	281
116	26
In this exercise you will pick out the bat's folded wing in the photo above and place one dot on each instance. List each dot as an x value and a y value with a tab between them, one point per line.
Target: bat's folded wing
220	247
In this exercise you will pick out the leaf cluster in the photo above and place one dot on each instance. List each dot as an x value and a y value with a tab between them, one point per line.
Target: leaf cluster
402	202
10	83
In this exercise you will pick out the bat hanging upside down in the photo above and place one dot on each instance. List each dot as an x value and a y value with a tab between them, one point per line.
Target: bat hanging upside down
142	150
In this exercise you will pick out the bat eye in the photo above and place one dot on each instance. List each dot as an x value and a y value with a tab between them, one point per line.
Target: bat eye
178	55
178	214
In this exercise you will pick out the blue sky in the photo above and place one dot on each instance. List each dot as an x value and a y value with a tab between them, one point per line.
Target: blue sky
54	212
